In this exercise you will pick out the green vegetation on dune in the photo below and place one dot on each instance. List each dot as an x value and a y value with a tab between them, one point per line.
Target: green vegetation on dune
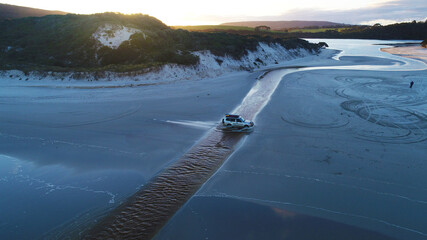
64	41
61	43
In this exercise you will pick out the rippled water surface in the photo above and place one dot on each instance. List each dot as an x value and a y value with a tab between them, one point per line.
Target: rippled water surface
148	210
345	144
69	156
335	149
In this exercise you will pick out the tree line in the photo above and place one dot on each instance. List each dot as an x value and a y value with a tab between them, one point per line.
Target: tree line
400	31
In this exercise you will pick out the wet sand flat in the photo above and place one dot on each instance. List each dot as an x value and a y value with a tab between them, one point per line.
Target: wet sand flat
344	144
414	52
145	213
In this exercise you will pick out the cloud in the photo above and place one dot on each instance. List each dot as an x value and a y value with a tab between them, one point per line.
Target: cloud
219	11
383	21
384	13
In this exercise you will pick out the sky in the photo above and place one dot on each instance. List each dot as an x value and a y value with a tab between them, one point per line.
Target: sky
199	12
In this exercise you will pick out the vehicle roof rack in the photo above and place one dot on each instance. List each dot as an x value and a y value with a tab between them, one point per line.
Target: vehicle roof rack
232	115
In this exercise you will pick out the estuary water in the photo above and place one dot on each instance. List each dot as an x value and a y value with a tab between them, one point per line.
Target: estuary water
68	156
337	149
338	153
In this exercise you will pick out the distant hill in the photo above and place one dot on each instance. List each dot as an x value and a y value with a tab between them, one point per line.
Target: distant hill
279	25
11	12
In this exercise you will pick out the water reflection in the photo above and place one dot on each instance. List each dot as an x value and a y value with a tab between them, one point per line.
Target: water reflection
151	207
225	218
55	194
315	152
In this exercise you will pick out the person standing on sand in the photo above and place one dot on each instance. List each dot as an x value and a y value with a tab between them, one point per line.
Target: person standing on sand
411	84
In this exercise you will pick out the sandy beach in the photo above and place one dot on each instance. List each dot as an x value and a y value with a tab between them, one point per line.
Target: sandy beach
414	52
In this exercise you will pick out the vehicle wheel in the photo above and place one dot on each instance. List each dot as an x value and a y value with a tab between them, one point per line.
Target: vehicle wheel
228	125
246	126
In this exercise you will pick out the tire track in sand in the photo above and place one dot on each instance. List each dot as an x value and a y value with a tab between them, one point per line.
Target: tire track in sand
145	213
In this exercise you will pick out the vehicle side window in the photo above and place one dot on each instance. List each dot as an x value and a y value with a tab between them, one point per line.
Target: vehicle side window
238	120
229	119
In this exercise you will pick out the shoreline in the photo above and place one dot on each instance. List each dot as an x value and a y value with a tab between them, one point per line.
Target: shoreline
145	213
413	52
209	66
149	209
90	143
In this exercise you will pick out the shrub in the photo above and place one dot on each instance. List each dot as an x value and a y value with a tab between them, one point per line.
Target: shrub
63	43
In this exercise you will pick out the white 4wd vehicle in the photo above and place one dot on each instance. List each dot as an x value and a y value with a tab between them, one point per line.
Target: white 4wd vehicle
236	121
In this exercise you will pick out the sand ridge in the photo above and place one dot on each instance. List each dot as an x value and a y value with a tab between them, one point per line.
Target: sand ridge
414	52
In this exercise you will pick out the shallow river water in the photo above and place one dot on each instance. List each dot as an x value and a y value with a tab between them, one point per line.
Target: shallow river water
336	149
338	153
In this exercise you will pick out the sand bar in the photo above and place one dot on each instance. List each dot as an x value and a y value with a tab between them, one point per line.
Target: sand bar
414	52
